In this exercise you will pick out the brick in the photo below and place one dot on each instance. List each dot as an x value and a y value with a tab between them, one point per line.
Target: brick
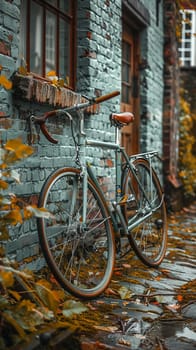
99	69
5	48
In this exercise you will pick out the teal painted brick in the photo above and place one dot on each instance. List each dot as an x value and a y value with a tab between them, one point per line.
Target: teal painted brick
10	8
14	51
8	65
11	23
3	95
101	73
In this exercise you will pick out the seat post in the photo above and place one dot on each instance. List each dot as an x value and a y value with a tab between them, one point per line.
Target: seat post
117	136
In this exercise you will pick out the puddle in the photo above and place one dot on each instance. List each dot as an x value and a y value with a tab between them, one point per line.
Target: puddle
176	329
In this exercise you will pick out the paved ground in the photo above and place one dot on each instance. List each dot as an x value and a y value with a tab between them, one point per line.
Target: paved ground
143	308
149	309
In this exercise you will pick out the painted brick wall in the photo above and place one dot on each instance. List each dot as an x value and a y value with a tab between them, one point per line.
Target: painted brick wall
99	30
9	42
98	72
151	83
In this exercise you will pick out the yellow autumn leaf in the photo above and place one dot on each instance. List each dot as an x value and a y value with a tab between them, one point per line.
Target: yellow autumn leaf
13	144
54	82
11	321
61	82
3	184
14	216
21	150
4	236
27	214
6	278
26	305
15	294
46	295
22	70
51	73
5	82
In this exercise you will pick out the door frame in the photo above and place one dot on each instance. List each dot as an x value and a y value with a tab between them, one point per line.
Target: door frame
131	36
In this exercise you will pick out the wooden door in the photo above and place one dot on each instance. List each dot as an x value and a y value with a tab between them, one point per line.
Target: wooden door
130	93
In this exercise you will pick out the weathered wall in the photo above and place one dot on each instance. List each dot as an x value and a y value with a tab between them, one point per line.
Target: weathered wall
98	73
152	86
99	68
9	44
99	28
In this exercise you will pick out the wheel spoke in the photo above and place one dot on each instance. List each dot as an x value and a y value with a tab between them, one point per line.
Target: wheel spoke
80	253
148	238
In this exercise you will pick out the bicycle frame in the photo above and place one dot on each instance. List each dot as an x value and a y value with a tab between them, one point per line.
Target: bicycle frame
120	152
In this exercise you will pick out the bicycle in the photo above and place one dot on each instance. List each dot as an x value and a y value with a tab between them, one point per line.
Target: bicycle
81	240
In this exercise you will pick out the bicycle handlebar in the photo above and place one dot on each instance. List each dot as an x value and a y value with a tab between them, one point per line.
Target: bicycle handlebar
106	97
91	101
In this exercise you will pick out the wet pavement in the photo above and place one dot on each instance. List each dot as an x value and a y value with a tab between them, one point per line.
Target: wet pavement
142	309
146	308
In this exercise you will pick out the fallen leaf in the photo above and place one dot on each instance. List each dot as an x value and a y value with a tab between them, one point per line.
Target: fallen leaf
179	298
173	308
124	342
126	266
125	293
100	302
111	329
110	291
72	307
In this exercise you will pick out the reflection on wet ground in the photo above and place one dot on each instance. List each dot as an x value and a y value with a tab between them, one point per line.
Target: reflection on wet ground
151	309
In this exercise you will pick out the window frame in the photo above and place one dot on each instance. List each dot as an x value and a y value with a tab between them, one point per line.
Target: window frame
188	53
69	18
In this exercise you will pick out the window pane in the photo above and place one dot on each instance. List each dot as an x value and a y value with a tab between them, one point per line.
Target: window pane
64	50
188	16
36	37
126	51
187	35
188	26
65	6
188	45
187	63
187	54
50	41
126	94
52	2
49	26
126	73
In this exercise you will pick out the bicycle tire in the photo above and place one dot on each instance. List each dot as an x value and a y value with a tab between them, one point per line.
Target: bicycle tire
80	258
149	238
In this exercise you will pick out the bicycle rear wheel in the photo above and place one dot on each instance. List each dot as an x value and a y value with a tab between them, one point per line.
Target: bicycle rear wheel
80	256
149	237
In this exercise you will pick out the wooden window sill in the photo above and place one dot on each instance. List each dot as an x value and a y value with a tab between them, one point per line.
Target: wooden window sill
34	88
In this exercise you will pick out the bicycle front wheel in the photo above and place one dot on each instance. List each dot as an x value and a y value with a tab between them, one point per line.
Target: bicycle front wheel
149	237
80	254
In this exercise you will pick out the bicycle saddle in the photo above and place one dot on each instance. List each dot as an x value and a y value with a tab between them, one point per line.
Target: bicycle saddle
121	119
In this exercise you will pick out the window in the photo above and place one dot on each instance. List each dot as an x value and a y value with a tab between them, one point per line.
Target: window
48	37
126	71
187	47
